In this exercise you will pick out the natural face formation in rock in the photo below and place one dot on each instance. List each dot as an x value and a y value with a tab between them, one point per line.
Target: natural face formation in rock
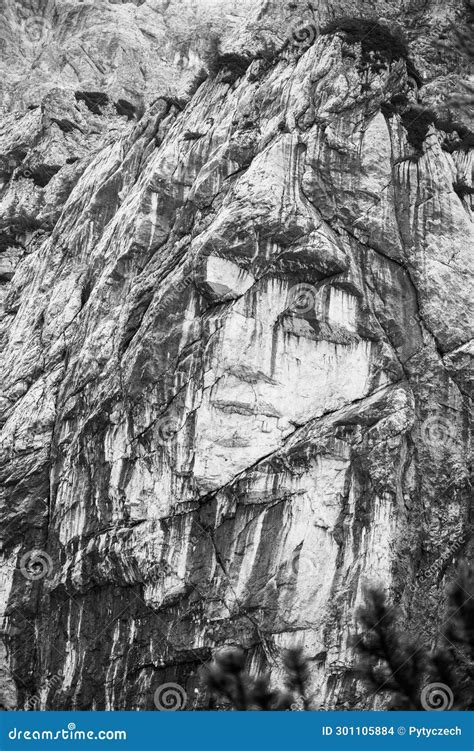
235	352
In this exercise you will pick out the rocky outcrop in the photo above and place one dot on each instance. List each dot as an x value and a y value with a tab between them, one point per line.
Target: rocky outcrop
235	356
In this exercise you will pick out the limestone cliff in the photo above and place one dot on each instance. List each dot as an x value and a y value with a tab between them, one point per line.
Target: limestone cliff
235	334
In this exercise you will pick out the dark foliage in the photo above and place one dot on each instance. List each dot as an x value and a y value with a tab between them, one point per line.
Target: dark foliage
125	108
227	678
9	162
67	126
231	65
456	653
463	190
380	46
191	135
8	240
394	664
297	671
398	667
86	291
389	661
461	137
40	175
417	122
93	100
462	144
397	103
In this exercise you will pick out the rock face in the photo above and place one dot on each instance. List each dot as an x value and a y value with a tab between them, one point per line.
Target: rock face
235	333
